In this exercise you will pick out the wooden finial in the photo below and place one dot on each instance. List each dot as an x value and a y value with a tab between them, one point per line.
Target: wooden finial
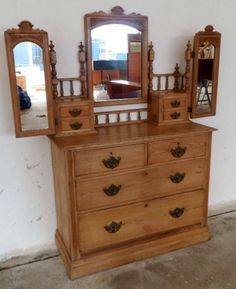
188	53
53	62
82	60
176	77
151	55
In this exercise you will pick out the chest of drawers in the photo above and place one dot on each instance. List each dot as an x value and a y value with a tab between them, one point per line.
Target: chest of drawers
130	192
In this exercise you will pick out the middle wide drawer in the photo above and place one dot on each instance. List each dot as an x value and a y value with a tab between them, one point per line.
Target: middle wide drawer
115	189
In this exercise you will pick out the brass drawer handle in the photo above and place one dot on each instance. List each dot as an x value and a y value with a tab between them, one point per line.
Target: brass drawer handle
175	115
112	190
111	162
178	151
177	178
177	212
113	227
76	125
175	103
75	112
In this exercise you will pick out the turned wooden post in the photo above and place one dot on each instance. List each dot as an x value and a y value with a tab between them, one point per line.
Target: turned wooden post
176	77
187	74
151	55
53	62
82	77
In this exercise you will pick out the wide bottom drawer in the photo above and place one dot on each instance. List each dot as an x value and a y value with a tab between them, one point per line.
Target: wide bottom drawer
115	226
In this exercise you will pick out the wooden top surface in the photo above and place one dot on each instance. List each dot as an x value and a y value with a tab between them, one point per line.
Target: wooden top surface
131	133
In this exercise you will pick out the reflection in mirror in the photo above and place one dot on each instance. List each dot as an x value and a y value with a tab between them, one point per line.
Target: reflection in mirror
116	62
206	53
30	79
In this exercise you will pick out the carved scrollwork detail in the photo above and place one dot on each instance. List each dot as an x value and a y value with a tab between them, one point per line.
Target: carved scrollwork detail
177	212
112	190
113	227
112	162
177	178
178	151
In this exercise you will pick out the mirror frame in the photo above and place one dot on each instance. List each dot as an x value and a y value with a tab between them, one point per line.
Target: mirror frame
117	16
26	33
214	38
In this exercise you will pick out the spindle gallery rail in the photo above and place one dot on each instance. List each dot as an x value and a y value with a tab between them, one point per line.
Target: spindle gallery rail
117	117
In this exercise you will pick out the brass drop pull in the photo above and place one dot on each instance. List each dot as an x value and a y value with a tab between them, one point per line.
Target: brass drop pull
177	212
75	112
175	115
178	151
76	125
112	190
175	103
113	227
177	178
111	162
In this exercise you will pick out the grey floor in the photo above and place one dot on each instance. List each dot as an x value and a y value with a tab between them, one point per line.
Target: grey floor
211	265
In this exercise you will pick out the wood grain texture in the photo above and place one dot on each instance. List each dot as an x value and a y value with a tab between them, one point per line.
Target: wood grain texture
138	220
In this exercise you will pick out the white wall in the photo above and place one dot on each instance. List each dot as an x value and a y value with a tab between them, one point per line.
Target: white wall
27	211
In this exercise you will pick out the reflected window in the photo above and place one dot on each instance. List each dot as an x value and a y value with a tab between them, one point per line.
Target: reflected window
30	78
116	62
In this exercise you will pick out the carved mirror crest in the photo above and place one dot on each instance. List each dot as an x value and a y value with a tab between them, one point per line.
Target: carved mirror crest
116	57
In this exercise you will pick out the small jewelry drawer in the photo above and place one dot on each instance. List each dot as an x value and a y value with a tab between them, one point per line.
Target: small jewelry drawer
75	124
117	189
114	226
73	110
109	159
177	149
174	115
174	102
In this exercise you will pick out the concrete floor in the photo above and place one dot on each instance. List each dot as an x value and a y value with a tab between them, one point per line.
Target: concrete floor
211	265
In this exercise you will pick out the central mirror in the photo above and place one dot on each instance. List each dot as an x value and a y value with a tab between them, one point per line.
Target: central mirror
116	57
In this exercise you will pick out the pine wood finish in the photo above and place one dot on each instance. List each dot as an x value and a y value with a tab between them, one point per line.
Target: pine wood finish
112	213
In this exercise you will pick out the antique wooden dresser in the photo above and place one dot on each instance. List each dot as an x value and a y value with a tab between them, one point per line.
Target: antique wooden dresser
131	171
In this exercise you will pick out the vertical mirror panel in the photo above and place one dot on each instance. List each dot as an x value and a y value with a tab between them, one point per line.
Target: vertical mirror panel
116	62
30	80
206	54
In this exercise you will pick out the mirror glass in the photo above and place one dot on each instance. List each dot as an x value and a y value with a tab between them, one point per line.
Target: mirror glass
31	91
116	62
206	54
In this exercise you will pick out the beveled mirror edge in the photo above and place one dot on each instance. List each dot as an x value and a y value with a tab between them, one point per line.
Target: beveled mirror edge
117	15
215	39
13	36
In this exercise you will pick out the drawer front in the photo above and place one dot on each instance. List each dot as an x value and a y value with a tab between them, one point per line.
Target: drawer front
115	226
118	189
75	124
74	110
175	102
177	149
109	159
174	115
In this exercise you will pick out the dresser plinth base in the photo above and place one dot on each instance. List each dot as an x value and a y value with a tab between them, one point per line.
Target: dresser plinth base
139	251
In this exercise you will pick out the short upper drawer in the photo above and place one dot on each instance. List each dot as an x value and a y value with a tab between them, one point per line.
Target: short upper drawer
109	159
177	149
75	124
74	110
102	192
115	226
174	102
176	114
